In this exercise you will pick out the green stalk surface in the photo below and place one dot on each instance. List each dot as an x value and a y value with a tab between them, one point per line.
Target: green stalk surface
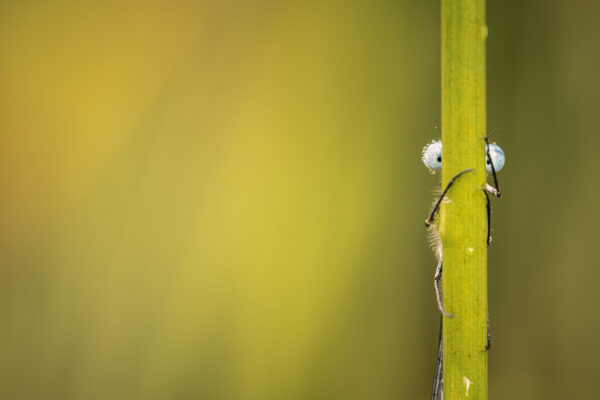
463	220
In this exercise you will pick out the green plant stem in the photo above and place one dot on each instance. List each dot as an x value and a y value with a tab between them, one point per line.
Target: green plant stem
463	215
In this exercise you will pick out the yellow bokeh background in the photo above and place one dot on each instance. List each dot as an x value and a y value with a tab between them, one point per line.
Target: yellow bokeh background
225	200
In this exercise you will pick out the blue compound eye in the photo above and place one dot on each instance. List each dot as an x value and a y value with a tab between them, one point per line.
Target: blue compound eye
432	156
497	156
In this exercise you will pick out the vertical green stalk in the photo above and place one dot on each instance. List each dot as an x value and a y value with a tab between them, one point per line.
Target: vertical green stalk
463	215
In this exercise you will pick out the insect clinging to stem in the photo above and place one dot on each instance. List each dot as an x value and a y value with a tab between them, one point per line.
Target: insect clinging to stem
432	158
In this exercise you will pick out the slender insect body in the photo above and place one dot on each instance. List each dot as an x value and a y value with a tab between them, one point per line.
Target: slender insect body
435	243
432	158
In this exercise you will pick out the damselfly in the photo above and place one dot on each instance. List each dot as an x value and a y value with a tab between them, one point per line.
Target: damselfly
432	158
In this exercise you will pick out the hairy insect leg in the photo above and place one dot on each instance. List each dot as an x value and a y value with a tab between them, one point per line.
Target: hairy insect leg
437	279
489	218
429	219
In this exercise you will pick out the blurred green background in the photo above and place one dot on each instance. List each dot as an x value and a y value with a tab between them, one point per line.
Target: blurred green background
225	200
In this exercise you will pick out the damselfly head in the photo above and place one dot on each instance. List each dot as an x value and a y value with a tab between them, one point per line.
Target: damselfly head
432	156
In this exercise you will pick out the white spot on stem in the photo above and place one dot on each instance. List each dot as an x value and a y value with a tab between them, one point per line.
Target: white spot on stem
467	384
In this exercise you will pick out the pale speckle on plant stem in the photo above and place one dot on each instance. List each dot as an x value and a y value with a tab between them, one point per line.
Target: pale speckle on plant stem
467	384
484	32
447	200
470	250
